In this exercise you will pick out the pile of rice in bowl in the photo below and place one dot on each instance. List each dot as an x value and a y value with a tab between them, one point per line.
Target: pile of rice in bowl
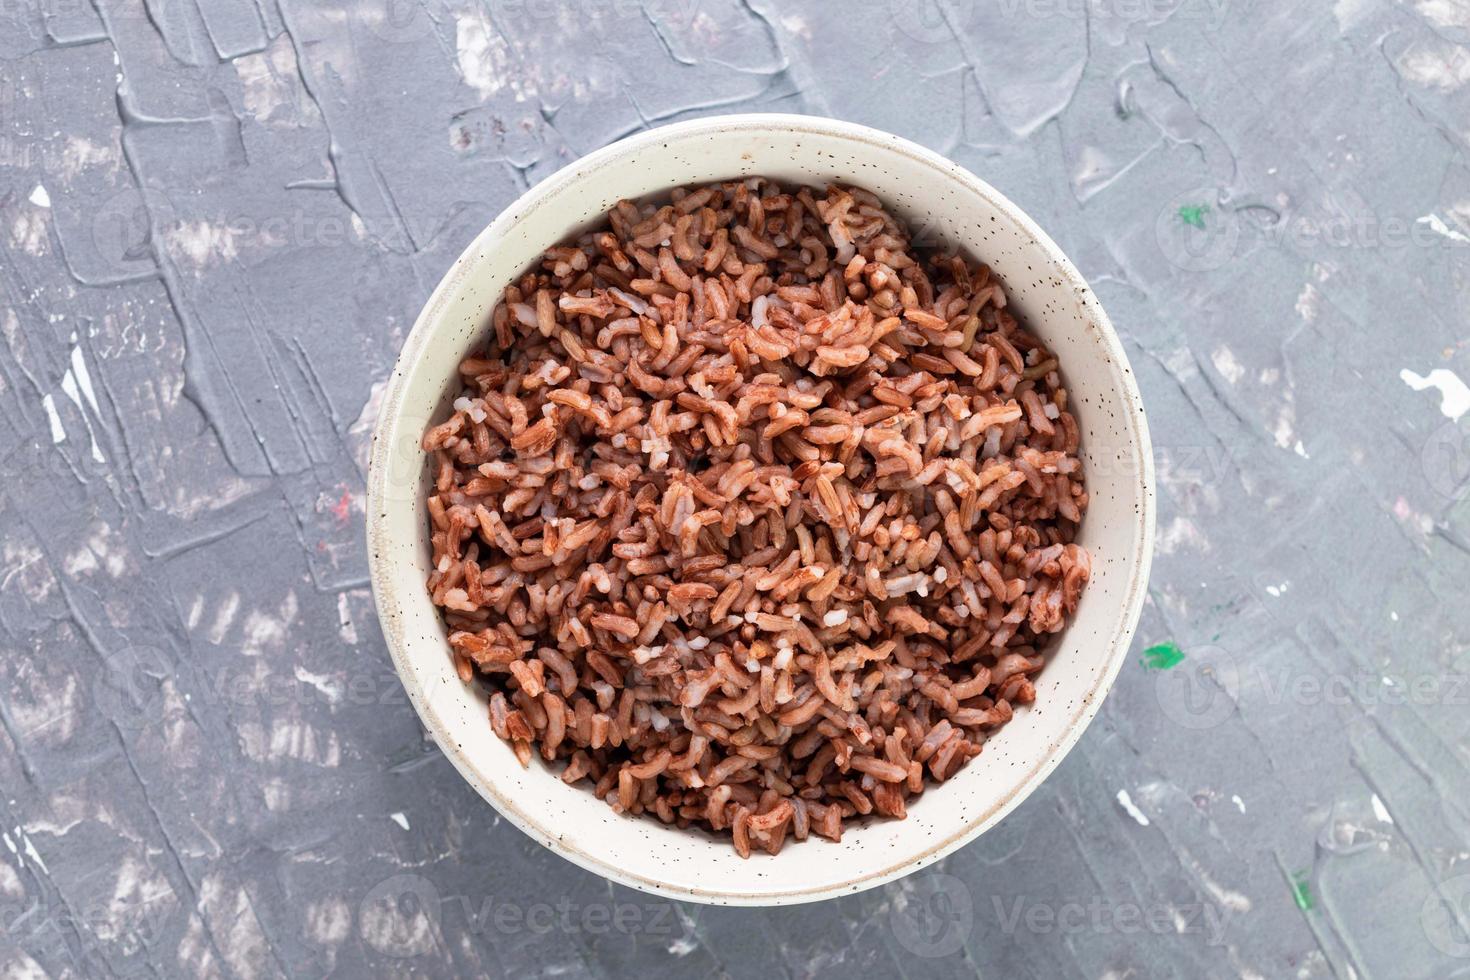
751	515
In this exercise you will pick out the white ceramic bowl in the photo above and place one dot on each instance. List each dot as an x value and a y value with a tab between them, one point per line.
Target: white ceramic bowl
932	194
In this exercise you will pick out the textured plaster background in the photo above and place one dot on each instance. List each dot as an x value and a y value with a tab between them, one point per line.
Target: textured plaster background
218	219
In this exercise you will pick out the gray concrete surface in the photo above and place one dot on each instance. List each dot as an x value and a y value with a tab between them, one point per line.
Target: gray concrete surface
218	219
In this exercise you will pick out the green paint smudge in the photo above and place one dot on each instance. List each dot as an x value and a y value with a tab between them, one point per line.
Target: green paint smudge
1301	892
1193	214
1162	656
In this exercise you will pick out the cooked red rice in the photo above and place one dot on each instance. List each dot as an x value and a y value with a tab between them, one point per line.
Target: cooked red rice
753	516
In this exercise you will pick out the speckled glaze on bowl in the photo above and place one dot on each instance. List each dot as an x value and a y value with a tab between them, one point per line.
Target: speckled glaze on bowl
939	200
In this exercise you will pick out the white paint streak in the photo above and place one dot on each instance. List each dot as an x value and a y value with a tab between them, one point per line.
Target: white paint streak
1126	802
267	82
1435	64
224	618
1437	225
28	233
58	433
481	54
20	966
1233	900
398	818
10	885
80	562
329	922
1445	13
233	925
1224	360
196	612
80	153
1380	811
84	377
346	628
72	390
277	795
322	682
1454	396
291	740
265	632
202	243
796	25
31	852
1306	303
1284	434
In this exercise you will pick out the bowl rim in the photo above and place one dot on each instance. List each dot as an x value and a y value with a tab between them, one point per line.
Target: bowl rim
392	409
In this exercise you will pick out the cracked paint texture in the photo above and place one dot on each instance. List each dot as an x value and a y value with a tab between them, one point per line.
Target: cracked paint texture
218	219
